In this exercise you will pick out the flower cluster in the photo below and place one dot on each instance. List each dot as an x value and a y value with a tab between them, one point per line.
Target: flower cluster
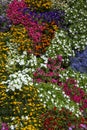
3	95
3	6
5	23
37	32
29	127
41	85
4	126
59	4
52	95
18	36
18	79
76	19
49	74
41	5
14	13
76	94
59	119
80	83
40	34
24	62
3	58
79	62
47	35
56	16
21	106
61	45
79	77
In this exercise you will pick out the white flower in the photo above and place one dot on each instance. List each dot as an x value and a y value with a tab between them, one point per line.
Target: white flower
24	53
26	117
49	92
18	79
11	62
43	65
54	95
48	97
12	127
41	95
22	62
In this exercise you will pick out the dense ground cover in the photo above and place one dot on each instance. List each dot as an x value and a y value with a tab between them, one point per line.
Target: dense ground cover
43	65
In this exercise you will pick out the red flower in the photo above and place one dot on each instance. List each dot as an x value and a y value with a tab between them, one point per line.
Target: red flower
54	108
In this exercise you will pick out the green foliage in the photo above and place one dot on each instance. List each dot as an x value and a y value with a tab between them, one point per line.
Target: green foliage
52	95
61	45
76	18
79	77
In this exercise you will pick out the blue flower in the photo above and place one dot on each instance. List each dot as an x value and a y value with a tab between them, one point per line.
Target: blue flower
49	16
5	23
79	62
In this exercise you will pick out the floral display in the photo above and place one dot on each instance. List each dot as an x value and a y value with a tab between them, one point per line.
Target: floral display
43	70
3	6
76	94
41	5
5	24
4	126
77	23
79	62
59	4
54	119
56	16
19	103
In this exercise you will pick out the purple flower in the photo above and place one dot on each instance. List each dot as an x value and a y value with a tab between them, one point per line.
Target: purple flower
83	126
70	128
79	62
55	15
5	23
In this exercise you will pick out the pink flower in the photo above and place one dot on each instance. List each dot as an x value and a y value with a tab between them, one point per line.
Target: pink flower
77	98
4	126
39	80
83	126
15	14
59	58
14	11
76	94
54	81
85	103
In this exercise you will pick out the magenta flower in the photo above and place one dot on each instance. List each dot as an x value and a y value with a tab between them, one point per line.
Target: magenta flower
59	58
14	11
51	73
83	126
54	81
85	103
77	98
76	94
4	126
15	14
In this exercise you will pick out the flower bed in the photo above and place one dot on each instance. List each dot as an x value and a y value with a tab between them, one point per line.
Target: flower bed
43	71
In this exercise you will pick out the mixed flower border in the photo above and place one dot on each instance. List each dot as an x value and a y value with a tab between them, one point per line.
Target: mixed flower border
43	72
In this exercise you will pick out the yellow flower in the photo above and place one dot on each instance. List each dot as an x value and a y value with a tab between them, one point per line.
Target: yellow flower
29	127
39	4
18	34
22	105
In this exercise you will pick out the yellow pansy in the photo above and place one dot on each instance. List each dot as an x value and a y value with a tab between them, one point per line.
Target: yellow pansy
29	127
39	4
